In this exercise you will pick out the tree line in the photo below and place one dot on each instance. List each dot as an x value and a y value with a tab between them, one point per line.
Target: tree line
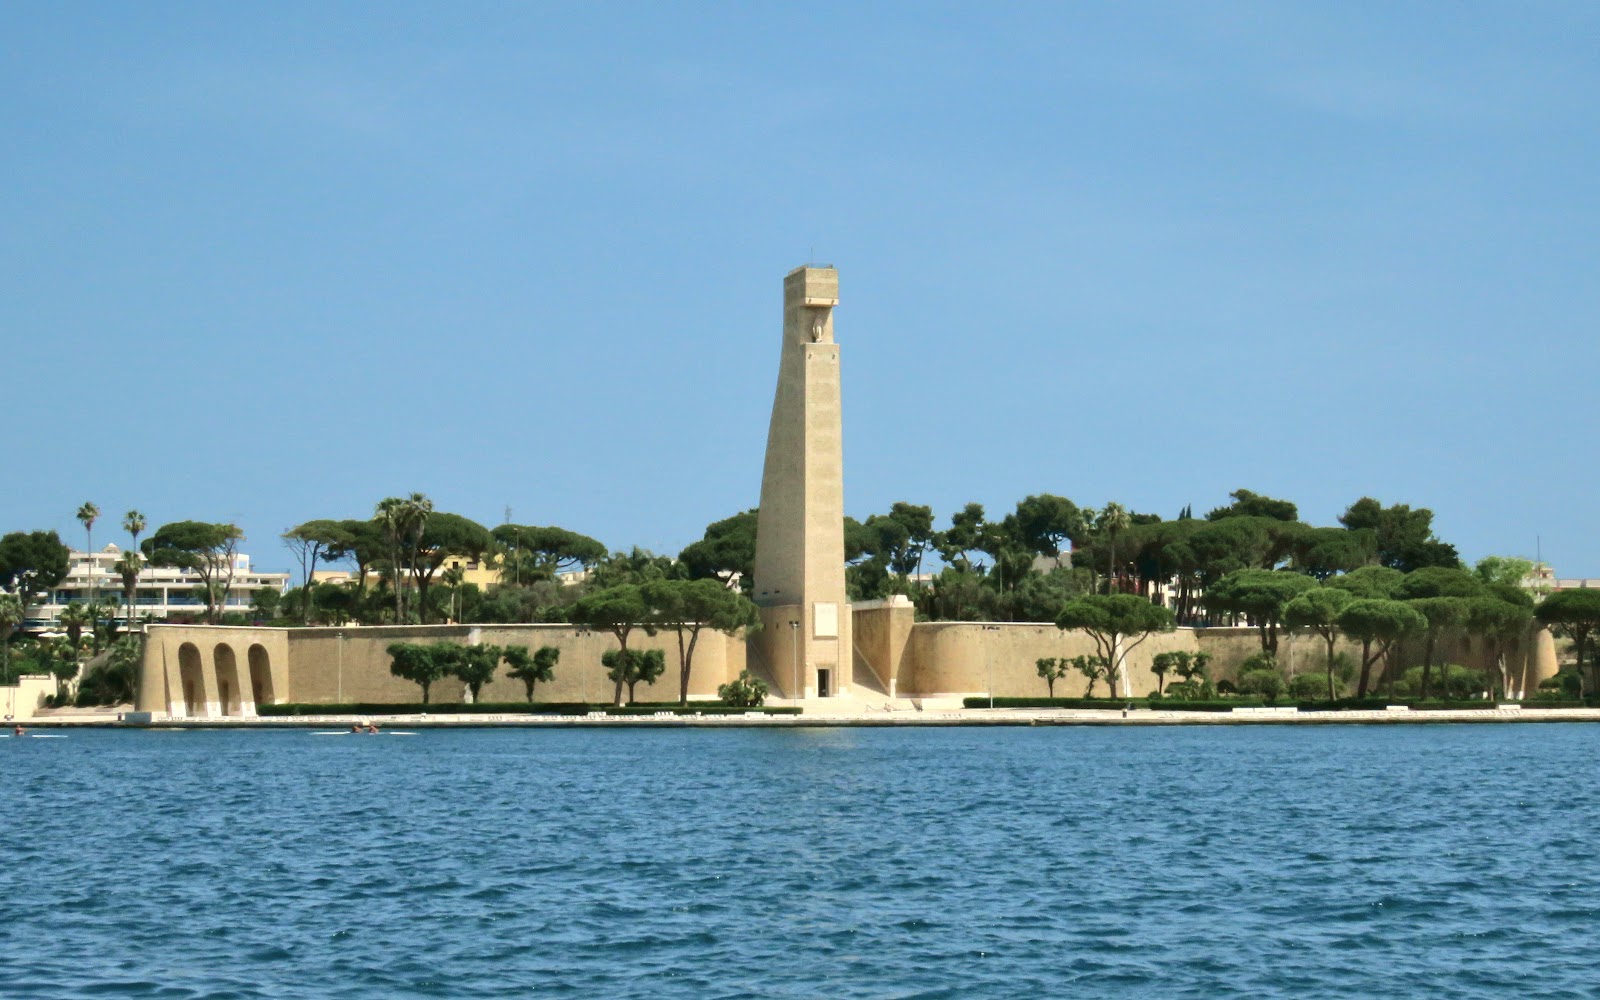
686	608
32	564
1376	607
426	663
1248	560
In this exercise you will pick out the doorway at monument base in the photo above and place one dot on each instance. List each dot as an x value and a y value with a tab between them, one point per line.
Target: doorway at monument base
801	651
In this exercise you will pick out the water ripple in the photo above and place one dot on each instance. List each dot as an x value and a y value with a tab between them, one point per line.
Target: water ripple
1208	862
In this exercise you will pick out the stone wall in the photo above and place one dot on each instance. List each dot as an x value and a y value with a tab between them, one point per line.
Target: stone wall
205	671
21	701
882	630
945	658
1529	661
201	671
926	659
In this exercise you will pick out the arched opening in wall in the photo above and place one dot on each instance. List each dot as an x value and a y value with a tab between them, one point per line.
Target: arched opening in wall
261	675
191	684
228	691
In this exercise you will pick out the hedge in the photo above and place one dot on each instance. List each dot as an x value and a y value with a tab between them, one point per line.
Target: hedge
1345	705
1105	703
1226	705
512	708
417	708
1369	704
1117	704
707	710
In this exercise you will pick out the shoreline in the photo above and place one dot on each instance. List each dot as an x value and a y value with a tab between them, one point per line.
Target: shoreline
981	717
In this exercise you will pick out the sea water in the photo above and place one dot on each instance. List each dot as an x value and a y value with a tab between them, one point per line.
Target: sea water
1448	861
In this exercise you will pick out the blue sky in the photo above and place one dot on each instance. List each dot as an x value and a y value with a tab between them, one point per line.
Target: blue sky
275	262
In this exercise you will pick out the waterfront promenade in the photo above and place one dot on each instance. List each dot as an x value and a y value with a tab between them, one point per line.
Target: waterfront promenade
902	714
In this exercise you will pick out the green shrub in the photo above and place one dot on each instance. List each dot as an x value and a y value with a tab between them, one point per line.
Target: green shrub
1308	687
513	708
745	692
1263	681
1259	675
1108	704
1211	706
1565	684
704	710
1226	686
1461	683
1165	704
112	681
1344	669
1258	661
1451	682
1370	704
417	708
1192	690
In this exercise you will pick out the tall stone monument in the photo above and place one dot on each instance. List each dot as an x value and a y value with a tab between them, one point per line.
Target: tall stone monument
799	570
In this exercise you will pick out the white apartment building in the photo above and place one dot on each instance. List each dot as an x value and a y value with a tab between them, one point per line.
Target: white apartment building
163	591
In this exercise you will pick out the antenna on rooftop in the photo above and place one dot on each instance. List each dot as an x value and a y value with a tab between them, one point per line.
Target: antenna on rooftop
508	513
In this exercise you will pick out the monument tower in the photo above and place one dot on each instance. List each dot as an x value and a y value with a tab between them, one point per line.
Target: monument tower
799	569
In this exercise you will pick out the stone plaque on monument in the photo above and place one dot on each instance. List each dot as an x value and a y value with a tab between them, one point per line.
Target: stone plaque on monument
827	620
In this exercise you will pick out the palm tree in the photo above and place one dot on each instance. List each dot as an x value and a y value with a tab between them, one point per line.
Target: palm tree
392	511
128	568
88	514
453	577
403	520
105	610
419	508
494	555
133	523
1114	518
73	618
62	657
11	616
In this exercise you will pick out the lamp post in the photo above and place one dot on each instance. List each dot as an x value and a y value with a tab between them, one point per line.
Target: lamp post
988	667
794	656
582	632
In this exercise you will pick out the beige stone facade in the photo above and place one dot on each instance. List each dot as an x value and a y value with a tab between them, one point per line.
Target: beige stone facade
25	699
934	659
218	671
804	649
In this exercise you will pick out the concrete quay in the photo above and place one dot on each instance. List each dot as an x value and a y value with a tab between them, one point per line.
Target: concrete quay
821	718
